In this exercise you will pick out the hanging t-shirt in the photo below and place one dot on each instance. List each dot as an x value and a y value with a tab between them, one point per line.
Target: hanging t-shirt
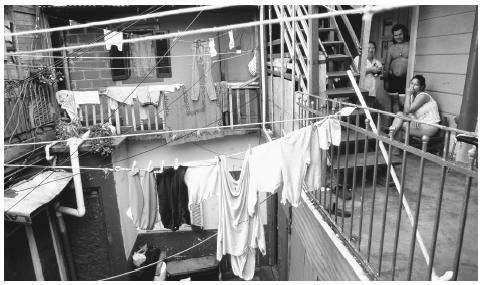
202	182
295	157
173	198
265	170
142	198
238	233
324	133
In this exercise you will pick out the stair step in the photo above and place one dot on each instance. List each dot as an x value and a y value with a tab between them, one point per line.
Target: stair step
327	29
344	92
332	43
274	42
360	160
340	74
338	57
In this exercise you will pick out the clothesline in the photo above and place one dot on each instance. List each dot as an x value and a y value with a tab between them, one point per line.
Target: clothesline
120	20
104	169
109	68
173	131
122	57
367	9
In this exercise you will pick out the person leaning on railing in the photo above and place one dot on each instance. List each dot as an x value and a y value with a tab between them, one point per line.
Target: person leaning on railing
420	106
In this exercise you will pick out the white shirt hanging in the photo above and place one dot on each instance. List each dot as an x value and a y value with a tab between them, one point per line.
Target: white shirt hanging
112	38
213	51
231	44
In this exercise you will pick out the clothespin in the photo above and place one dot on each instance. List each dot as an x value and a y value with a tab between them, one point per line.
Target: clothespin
118	168
284	133
133	165
149	167
175	165
161	167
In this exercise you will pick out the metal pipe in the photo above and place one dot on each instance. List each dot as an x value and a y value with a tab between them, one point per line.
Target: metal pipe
354	179
384	218
364	176
439	207
399	213
425	140
74	143
66	244
375	169
262	62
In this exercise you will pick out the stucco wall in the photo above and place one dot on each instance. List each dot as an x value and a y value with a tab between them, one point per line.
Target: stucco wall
442	50
184	152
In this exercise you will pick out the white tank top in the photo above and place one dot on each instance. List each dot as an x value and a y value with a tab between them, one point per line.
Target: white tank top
428	112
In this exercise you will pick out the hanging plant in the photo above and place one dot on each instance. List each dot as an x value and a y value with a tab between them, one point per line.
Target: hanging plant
103	146
47	75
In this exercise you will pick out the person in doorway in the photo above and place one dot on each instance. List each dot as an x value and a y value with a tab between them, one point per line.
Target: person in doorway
396	65
373	70
420	106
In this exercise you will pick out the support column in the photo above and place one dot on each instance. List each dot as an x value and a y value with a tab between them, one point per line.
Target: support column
37	265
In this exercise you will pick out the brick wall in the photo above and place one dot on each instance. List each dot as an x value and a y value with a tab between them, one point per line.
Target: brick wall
88	74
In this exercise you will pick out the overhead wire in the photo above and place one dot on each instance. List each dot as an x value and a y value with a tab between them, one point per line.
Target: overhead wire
174	12
369	9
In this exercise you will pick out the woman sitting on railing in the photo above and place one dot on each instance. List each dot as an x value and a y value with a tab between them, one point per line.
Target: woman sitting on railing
420	106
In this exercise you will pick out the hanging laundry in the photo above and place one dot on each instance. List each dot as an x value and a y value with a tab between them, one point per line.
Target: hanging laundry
265	170
221	88
202	83
238	232
86	97
211	44
295	157
67	102
252	65
202	182
181	112
142	198
112	38
173	198
142	67
122	94
231	44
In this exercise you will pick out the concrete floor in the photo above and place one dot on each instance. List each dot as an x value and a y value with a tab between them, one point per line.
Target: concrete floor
448	229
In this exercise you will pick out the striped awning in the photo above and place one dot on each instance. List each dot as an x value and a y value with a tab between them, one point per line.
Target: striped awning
23	198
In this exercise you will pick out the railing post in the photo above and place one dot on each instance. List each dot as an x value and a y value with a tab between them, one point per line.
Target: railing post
366	25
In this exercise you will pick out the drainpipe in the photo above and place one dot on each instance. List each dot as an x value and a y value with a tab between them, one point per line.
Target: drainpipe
74	143
66	244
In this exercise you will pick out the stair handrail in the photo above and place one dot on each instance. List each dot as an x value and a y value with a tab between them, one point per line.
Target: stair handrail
350	29
290	46
296	32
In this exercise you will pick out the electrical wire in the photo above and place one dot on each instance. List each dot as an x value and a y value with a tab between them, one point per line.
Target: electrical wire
121	20
367	9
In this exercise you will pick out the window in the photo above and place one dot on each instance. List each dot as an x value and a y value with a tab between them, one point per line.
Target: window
144	56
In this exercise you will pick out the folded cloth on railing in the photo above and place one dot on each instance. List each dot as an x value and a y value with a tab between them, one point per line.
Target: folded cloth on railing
67	102
146	96
86	97
122	94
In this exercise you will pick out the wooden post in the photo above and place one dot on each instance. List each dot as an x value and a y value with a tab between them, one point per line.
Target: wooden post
413	43
313	70
58	248
366	26
37	265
